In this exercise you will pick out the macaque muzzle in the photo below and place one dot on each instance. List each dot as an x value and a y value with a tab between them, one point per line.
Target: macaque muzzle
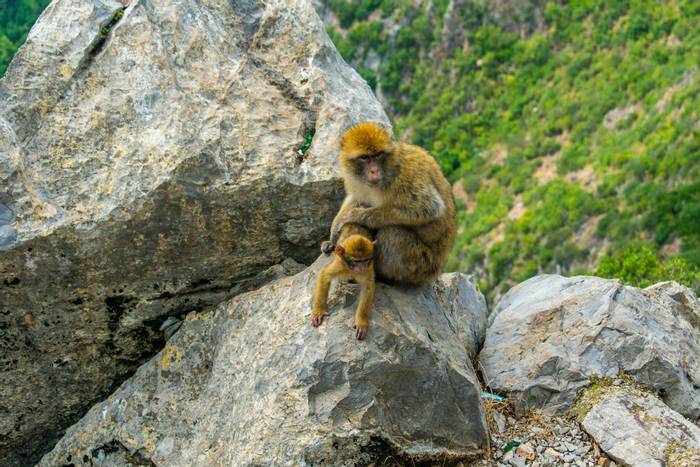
358	266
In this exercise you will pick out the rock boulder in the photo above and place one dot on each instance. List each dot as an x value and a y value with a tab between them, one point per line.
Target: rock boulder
550	334
253	383
153	154
640	430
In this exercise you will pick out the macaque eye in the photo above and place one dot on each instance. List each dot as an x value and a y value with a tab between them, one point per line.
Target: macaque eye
365	158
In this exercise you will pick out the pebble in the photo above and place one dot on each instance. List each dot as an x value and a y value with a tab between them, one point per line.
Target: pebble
543	442
582	450
570	447
526	451
500	421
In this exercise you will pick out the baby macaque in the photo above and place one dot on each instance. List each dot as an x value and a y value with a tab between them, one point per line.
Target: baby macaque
353	261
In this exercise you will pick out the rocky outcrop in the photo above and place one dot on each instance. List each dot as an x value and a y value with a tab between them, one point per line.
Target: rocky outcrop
463	17
153	155
640	430
253	383
550	334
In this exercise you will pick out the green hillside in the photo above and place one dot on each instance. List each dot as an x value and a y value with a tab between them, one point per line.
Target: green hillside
16	18
570	129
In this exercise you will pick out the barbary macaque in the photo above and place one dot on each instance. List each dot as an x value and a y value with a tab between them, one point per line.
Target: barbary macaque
353	261
398	192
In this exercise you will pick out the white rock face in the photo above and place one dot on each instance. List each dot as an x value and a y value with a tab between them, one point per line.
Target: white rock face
550	334
253	383
637	430
152	156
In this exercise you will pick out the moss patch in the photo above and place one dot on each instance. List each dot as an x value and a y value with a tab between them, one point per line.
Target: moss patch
677	455
599	389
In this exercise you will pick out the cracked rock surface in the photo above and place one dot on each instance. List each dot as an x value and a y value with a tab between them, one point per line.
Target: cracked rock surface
151	158
637	429
550	334
253	383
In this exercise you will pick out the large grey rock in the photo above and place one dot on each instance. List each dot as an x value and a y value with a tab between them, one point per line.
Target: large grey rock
253	383
147	166
641	431
550	334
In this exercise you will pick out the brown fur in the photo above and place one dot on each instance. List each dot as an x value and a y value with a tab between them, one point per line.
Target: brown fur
412	211
357	247
354	243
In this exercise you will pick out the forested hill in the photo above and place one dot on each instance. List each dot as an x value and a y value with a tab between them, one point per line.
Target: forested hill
569	129
16	18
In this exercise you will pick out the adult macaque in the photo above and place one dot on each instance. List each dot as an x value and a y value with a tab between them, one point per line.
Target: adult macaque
353	261
398	191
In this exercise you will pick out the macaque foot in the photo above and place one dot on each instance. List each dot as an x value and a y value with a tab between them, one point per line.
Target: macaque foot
317	318
360	330
327	247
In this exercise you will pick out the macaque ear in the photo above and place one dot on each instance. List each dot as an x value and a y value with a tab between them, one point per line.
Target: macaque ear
374	243
339	250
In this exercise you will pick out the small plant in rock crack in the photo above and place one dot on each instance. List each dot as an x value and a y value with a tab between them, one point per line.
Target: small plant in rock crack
115	19
307	143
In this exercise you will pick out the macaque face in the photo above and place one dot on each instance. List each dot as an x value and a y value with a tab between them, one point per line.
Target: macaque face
359	267
370	167
357	264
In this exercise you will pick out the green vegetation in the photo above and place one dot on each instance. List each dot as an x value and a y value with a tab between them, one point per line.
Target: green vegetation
576	145
639	265
115	19
16	18
307	142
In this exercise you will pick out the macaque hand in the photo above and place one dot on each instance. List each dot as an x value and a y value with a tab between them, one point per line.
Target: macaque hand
317	317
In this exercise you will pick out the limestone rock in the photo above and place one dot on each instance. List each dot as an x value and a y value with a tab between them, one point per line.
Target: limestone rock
640	430
152	156
550	334
253	383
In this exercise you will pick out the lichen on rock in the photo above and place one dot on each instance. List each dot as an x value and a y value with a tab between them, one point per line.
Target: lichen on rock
637	429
